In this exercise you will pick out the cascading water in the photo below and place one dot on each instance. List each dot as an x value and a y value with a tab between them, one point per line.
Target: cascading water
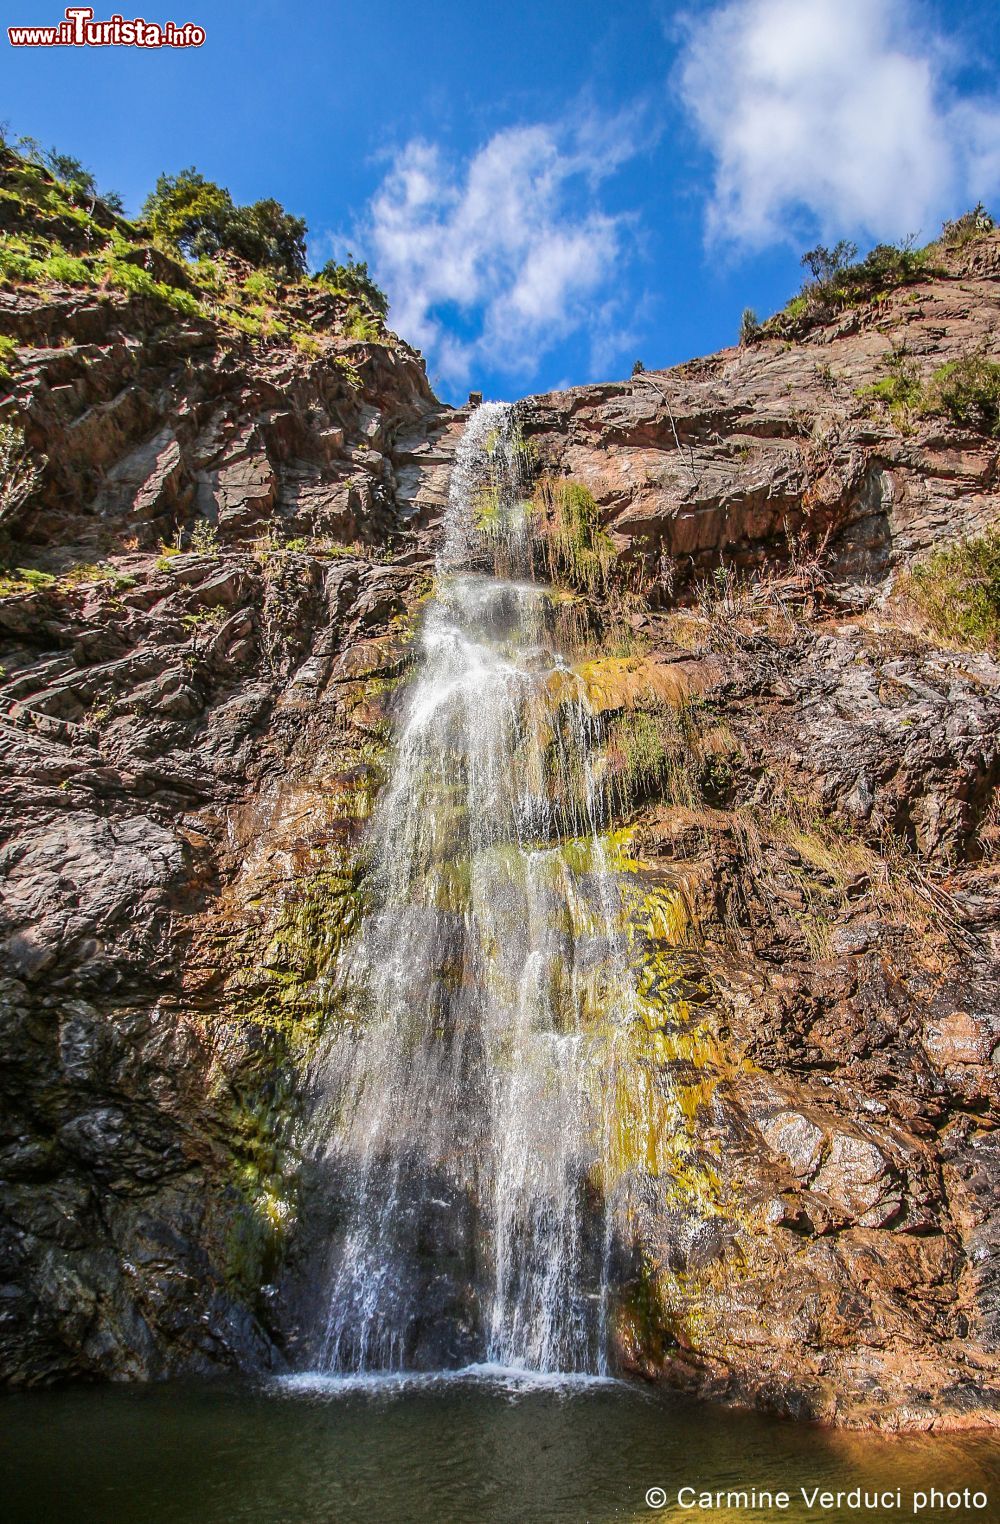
465	1123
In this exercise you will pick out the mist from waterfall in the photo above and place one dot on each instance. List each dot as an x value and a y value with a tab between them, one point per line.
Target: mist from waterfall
464	1120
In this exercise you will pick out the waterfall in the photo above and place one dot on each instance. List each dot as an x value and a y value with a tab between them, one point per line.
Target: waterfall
465	1122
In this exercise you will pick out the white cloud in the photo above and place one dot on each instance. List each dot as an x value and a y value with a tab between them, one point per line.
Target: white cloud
833	114
496	260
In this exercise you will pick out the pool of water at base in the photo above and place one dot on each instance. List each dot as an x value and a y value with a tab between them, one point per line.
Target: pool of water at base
478	1447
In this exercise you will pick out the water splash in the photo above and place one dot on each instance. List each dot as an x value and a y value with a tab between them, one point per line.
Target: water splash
465	1120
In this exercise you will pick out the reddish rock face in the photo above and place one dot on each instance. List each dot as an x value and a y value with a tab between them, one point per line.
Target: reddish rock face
192	741
838	859
959	1038
731	456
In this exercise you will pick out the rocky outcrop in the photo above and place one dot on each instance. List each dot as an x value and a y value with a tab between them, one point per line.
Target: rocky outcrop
833	834
844	917
151	425
183	735
232	537
741	454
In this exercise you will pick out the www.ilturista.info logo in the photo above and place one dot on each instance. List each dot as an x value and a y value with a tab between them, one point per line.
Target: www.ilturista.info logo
80	30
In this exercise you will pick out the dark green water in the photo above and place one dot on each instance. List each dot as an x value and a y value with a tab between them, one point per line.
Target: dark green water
439	1453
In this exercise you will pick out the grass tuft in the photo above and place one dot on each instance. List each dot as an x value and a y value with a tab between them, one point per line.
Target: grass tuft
957	592
579	550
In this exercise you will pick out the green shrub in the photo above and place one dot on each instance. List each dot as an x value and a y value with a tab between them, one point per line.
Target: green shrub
16	264
749	326
826	265
31	151
887	265
265	234
205	538
900	390
268	324
213	618
136	281
19	475
23	579
359	324
353	279
167	554
132	278
839	280
8	352
350	372
77	180
67	188
968	392
260	286
183	302
200	218
242	322
68	270
210	276
188	212
85	572
958	591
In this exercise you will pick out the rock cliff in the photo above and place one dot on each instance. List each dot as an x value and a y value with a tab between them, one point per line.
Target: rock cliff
223	559
835	849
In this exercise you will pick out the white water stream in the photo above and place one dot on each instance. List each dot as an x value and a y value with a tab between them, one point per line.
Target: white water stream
464	1113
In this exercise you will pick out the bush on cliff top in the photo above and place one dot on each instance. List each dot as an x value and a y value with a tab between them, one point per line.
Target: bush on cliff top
838	280
74	178
967	228
198	217
354	280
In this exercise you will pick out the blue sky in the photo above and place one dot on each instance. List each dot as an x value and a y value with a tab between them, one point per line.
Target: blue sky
548	191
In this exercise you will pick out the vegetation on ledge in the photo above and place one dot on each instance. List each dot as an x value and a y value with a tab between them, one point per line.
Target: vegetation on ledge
195	254
966	391
579	550
838	280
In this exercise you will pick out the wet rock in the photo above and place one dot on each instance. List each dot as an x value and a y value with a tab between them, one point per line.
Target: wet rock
855	1175
797	1140
961	1037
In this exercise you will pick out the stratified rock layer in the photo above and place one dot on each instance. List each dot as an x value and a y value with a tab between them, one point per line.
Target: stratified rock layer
835	841
189	740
